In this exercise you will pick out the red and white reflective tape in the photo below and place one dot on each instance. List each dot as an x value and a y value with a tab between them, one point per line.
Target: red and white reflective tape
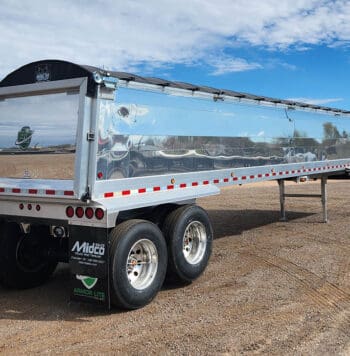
128	192
41	192
234	179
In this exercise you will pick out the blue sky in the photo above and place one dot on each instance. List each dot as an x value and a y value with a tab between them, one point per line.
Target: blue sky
291	49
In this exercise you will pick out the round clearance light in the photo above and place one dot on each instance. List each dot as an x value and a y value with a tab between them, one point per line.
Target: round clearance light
99	213
21	206
79	212
99	175
29	206
37	207
70	211
89	213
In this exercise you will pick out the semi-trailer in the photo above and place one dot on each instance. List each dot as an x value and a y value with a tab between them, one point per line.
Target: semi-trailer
101	170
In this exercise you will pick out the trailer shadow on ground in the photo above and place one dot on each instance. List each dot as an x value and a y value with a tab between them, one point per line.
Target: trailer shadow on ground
51	301
235	222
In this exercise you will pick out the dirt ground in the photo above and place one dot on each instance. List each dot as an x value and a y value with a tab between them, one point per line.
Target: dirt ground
271	288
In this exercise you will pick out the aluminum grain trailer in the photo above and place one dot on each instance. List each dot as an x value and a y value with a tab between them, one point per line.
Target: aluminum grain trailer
102	169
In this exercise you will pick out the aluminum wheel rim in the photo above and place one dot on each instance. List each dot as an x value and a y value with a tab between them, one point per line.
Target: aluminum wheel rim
142	264
194	242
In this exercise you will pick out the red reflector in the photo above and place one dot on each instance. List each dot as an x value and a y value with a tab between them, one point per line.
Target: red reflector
79	212
225	180
267	174
37	207
205	182
21	206
235	178
280	173
33	191
89	213
99	175
109	195
2	190
259	175
252	177
29	206
170	187
287	172
99	213
183	185
194	184
70	211
142	190
50	192
244	177
68	192
156	189
216	181
16	190
126	192
274	173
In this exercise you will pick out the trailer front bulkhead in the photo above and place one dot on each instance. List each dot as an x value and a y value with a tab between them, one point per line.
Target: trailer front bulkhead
102	169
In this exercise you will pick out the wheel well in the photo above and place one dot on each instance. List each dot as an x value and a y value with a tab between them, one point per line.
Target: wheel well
155	214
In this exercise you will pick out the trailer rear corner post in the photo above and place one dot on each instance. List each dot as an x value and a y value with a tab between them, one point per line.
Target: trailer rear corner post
322	196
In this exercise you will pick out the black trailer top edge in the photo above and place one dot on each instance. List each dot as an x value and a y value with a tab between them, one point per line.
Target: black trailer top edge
53	69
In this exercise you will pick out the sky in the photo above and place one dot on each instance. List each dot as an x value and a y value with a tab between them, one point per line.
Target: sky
289	49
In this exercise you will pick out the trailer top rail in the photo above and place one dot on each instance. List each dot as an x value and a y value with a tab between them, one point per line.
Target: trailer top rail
23	75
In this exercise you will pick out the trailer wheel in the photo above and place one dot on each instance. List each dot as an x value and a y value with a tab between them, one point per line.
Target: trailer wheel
189	237
138	263
24	261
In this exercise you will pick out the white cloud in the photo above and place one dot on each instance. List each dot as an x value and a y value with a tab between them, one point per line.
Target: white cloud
316	101
125	34
229	65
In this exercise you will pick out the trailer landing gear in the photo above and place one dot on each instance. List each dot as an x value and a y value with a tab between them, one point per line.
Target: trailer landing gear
322	196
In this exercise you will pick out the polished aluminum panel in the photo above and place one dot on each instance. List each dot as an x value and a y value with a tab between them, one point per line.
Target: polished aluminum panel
38	136
145	133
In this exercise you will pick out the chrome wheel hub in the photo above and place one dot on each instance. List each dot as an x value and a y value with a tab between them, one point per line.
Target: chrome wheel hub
142	264
194	242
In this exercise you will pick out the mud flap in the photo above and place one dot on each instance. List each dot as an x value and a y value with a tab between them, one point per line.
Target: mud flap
89	265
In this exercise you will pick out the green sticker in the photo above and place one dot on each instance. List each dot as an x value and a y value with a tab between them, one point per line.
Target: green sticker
88	282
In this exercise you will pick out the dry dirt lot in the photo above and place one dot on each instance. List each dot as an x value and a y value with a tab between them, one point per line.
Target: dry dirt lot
271	287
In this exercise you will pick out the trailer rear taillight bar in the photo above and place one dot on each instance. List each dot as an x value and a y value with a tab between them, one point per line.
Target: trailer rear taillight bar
88	212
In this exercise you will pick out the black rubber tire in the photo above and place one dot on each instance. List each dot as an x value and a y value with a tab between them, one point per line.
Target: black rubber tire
179	269
122	238
13	273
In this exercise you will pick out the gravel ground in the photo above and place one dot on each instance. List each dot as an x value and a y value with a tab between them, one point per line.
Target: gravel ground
271	287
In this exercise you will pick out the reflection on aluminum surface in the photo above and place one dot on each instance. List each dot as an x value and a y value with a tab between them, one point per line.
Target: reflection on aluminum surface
146	133
38	136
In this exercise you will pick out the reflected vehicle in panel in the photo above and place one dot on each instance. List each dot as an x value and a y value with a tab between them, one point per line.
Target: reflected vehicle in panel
24	137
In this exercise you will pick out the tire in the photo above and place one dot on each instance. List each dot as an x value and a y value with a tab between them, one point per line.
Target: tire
133	285
24	262
189	238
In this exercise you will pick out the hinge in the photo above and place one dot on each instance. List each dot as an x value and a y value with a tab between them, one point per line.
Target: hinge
87	195
90	136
